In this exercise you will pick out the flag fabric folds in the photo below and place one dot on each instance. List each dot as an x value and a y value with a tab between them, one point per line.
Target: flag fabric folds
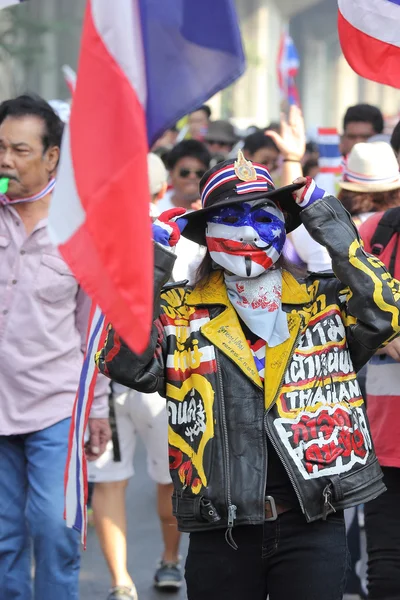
287	68
143	65
369	32
127	93
75	472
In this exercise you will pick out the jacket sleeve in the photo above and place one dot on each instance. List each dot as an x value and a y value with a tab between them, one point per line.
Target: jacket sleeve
369	294
144	372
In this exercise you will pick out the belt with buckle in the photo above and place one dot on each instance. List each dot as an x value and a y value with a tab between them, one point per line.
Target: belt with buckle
273	510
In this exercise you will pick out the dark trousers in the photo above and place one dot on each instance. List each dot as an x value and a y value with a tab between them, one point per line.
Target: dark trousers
382	526
287	559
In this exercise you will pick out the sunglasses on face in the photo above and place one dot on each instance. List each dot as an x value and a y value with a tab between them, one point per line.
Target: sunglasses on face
185	173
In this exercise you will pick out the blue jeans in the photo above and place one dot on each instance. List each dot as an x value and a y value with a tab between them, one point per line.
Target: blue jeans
31	516
288	559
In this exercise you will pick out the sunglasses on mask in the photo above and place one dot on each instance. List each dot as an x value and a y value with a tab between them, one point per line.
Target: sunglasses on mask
184	173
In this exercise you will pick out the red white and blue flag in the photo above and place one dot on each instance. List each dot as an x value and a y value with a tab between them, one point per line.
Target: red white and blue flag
330	158
369	32
127	94
288	68
75	472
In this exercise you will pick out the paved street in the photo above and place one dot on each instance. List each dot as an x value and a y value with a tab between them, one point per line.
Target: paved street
144	543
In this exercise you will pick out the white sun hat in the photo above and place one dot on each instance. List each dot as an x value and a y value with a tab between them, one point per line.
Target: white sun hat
371	167
158	175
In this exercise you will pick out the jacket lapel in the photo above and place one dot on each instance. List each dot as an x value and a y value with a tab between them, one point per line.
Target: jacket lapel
225	332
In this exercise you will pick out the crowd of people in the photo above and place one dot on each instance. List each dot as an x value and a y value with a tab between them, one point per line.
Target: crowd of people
273	294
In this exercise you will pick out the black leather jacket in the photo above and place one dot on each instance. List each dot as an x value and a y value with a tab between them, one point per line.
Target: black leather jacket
310	405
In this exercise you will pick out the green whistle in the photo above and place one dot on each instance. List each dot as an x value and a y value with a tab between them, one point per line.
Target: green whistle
4	182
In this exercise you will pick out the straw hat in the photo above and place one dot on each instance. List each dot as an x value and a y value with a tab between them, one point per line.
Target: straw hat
371	167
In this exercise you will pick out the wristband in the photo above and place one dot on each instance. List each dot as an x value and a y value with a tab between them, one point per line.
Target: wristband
292	160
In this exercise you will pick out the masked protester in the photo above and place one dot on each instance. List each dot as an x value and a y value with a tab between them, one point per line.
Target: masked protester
268	435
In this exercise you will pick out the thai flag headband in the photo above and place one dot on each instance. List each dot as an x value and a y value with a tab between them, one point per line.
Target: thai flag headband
263	183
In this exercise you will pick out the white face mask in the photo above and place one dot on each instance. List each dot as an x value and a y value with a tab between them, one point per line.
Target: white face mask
246	239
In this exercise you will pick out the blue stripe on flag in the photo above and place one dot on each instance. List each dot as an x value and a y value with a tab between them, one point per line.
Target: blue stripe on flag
395	2
202	41
329	150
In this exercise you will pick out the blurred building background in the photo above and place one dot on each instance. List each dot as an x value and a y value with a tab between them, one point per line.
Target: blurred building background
36	39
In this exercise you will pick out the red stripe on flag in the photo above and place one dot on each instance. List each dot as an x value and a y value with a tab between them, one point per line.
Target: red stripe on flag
368	56
111	254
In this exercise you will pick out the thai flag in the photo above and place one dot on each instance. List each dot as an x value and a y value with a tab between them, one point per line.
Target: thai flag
369	32
75	472
143	65
330	158
7	3
288	68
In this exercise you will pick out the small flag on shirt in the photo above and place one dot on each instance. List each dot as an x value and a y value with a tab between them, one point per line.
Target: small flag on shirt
330	158
369	33
288	67
126	96
75	472
7	3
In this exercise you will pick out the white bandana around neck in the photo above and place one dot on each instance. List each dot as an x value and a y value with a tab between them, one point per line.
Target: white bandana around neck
258	302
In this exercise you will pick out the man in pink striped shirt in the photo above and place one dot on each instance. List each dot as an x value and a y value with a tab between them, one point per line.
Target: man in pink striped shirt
43	321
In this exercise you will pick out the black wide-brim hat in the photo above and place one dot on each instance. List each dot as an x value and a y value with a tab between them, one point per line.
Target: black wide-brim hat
233	182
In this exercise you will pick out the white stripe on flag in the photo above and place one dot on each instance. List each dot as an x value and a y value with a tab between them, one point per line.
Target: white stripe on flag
66	210
379	19
126	47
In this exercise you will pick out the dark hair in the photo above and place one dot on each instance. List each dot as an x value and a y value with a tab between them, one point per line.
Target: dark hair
395	139
364	113
205	108
257	140
312	147
191	148
308	165
207	266
31	105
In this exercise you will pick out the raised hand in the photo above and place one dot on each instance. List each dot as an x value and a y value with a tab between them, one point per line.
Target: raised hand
166	231
292	140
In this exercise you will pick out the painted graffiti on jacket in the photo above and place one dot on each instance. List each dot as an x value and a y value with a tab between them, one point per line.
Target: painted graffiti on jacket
321	420
190	406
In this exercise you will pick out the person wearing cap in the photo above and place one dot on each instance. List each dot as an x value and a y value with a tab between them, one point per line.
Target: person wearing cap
220	139
144	414
268	435
370	180
377	177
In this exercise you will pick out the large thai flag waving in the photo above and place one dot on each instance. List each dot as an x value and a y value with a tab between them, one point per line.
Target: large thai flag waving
143	65
369	32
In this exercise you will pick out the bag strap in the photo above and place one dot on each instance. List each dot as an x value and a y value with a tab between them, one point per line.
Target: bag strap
387	227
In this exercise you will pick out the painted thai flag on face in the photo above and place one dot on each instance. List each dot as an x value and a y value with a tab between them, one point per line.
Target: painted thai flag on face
246	239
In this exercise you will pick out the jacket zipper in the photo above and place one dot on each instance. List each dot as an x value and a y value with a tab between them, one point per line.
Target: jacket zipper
232	509
279	453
